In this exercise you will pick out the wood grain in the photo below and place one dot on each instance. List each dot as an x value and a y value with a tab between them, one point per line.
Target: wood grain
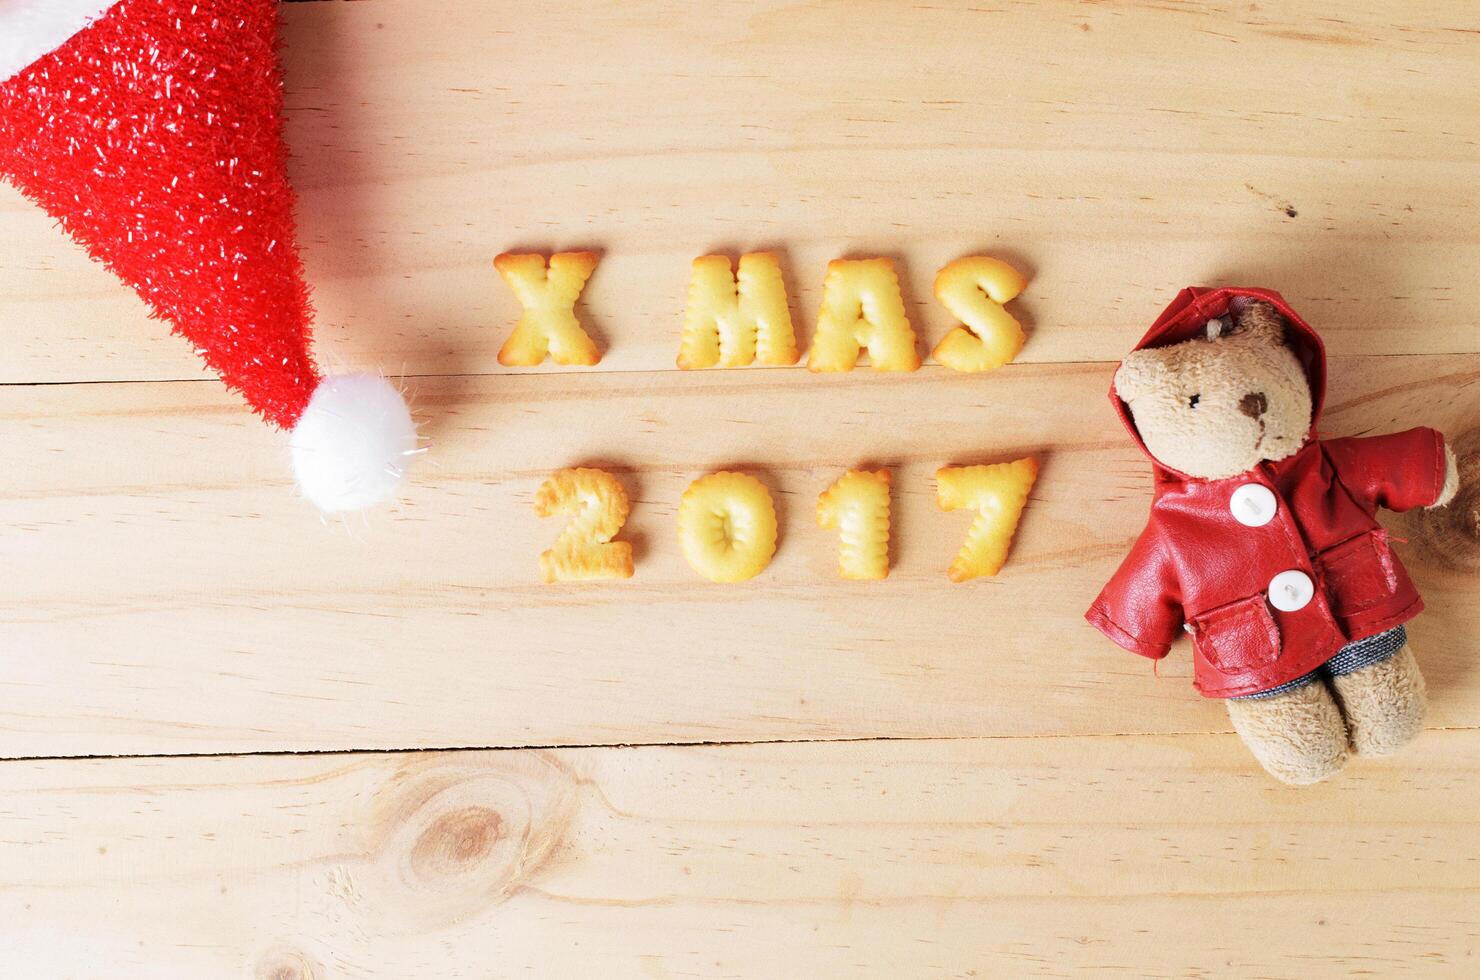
1150	856
174	596
1115	152
165	593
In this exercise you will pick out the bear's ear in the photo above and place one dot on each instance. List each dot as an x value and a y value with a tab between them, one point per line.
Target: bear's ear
1141	373
1260	323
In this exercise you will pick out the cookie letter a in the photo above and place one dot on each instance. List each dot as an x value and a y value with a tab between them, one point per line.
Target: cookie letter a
862	309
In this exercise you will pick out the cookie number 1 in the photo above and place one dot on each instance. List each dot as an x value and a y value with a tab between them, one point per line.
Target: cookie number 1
585	549
857	506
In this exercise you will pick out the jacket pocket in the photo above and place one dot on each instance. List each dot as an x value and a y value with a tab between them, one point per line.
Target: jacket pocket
1239	636
1358	572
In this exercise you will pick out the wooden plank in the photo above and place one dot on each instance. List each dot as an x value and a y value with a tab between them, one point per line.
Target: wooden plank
169	594
1117	152
1142	856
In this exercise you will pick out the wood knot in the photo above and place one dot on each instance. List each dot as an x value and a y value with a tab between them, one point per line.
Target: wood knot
1466	512
284	965
1451	535
453	837
456	842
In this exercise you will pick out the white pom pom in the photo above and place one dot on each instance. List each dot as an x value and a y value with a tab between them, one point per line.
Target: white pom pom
351	445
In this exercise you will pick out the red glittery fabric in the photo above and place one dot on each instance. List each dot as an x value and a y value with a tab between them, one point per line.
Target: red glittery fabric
154	137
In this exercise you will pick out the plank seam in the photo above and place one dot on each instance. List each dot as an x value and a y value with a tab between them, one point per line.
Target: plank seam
555	372
681	744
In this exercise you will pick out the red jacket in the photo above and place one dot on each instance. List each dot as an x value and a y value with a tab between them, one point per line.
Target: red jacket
1195	564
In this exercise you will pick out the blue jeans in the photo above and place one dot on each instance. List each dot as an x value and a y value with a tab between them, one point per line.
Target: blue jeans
1349	659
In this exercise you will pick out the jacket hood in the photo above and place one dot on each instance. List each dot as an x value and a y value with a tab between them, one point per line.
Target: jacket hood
1187	316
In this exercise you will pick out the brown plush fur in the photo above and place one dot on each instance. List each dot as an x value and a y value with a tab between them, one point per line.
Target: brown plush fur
1191	400
1301	736
1383	704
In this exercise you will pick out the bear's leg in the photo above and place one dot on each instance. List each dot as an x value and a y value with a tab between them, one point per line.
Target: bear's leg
1298	735
1383	703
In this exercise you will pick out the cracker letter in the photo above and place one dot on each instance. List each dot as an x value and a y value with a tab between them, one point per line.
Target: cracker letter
585	549
862	309
975	289
998	494
858	506
548	297
727	526
734	320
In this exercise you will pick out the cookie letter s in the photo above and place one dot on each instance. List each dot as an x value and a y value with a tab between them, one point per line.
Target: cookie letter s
975	289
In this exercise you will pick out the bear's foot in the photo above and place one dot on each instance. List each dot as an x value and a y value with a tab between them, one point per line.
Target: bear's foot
1298	736
1384	703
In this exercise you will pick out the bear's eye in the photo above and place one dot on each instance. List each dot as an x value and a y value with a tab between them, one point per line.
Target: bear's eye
1192	402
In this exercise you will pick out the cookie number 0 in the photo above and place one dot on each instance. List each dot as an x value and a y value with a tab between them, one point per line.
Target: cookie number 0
585	549
727	526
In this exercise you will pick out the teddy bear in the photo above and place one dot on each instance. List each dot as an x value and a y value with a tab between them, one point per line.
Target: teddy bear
1262	542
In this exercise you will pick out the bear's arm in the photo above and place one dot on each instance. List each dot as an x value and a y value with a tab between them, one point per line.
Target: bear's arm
1398	471
1140	607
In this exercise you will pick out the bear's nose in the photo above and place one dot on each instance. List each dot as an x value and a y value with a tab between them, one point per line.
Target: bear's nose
1254	404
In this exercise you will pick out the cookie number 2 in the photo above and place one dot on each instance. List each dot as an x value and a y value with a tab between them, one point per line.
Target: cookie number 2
585	549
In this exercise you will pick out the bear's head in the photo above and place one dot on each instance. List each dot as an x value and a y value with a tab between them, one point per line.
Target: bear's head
1220	404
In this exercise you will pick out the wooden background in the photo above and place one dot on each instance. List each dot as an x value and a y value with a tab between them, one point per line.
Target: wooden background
243	743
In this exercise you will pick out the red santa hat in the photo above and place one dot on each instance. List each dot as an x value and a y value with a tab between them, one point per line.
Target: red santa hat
152	131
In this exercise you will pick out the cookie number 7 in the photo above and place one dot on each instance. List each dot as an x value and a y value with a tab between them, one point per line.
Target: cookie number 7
998	493
585	549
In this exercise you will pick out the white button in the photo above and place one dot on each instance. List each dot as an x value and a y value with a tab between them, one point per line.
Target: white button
1253	505
1292	590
